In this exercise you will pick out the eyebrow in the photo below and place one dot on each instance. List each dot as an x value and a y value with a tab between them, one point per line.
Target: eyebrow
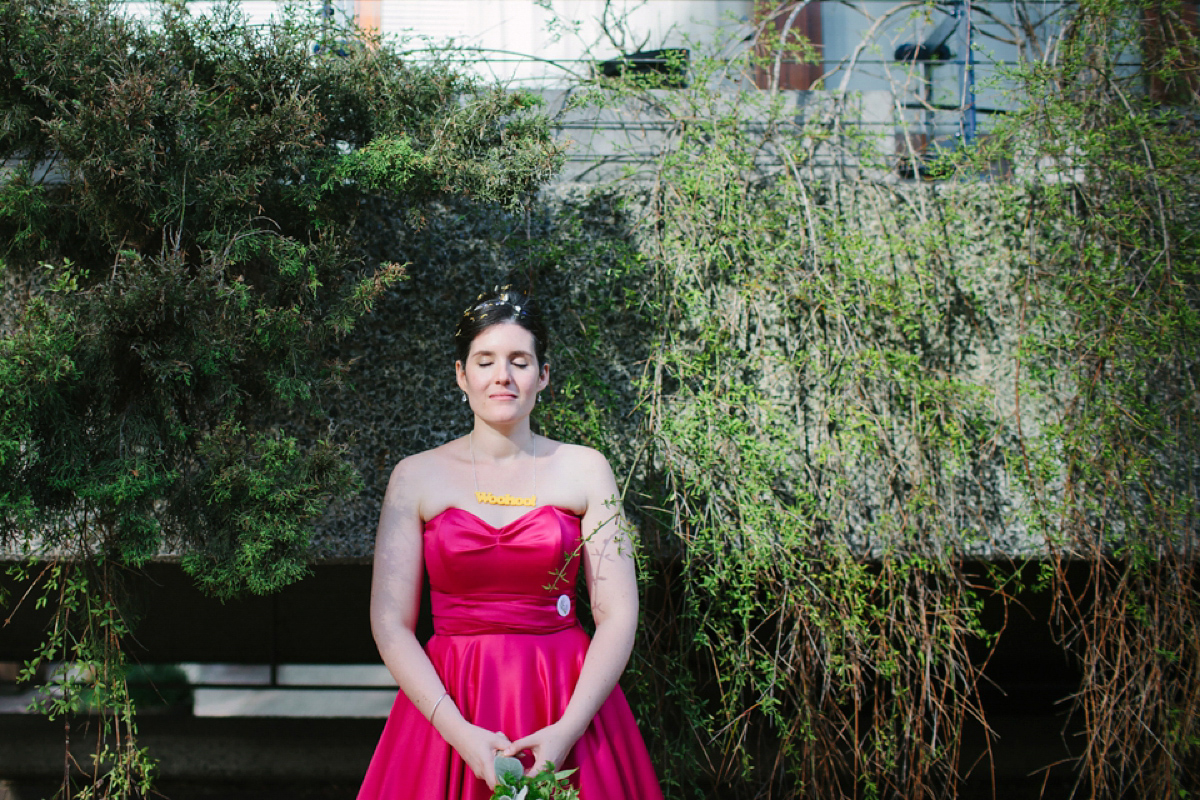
492	354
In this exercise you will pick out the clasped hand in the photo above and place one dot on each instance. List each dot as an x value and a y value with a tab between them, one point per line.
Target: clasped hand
478	747
549	745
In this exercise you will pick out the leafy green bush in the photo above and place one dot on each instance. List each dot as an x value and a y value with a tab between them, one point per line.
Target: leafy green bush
180	221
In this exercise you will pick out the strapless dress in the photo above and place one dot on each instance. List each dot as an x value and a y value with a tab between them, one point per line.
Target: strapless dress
509	650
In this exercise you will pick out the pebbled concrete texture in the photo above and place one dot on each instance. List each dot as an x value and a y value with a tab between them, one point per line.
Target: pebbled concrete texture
400	396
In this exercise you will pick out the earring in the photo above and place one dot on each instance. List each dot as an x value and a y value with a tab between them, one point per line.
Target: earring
464	394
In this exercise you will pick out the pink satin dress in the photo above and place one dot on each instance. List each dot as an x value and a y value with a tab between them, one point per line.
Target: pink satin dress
509	649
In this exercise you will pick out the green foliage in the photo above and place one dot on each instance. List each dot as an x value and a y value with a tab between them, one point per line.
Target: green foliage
1112	332
183	268
549	784
180	236
813	459
257	483
491	146
850	387
809	408
88	673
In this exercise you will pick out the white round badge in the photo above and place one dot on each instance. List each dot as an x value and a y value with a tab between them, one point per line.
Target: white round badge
564	605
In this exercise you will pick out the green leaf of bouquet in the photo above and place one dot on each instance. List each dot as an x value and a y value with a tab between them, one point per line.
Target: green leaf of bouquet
509	769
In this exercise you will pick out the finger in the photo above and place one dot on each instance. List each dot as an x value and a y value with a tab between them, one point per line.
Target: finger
486	773
516	747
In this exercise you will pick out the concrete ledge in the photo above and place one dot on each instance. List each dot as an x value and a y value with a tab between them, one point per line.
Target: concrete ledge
323	619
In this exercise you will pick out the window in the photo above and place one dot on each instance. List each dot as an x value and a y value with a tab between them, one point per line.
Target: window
787	31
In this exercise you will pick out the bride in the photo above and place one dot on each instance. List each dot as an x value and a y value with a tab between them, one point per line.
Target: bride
500	521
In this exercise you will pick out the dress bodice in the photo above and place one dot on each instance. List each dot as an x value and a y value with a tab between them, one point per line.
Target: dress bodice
516	578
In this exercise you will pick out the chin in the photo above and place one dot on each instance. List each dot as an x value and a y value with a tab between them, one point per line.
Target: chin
507	414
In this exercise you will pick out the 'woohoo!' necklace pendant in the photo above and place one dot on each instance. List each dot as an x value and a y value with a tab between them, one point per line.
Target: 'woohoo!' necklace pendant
490	499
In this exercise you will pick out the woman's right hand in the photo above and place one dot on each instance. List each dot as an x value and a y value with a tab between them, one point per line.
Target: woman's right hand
478	747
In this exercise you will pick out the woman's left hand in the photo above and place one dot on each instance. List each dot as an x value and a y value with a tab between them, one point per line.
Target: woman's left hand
550	745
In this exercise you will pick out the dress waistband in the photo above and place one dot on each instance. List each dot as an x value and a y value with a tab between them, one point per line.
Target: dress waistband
462	615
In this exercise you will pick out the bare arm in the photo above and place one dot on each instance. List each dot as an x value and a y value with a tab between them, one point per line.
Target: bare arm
395	603
612	589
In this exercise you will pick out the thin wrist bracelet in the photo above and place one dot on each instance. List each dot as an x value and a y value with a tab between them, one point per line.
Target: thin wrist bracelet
433	710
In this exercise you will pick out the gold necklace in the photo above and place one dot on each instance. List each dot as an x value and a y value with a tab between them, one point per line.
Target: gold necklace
490	499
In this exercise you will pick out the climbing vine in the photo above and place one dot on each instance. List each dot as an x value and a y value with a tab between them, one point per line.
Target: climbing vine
862	398
1112	333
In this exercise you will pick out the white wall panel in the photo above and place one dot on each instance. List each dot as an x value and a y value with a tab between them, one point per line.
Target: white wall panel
520	37
257	12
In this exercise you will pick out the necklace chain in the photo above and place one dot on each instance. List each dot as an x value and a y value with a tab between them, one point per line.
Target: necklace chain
488	498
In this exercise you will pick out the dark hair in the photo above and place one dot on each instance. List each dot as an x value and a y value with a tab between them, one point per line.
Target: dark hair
503	304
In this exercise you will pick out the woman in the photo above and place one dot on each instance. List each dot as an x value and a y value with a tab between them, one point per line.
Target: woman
501	520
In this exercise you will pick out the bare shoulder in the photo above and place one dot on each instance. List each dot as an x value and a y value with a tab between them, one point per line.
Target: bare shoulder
414	464
582	458
584	467
409	470
584	478
415	476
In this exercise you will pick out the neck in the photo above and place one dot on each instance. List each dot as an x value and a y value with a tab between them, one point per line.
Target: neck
497	444
503	462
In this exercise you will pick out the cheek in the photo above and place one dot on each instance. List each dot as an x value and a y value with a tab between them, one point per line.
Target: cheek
480	376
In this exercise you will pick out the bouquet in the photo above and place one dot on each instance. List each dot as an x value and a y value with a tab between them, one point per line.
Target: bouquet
513	784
